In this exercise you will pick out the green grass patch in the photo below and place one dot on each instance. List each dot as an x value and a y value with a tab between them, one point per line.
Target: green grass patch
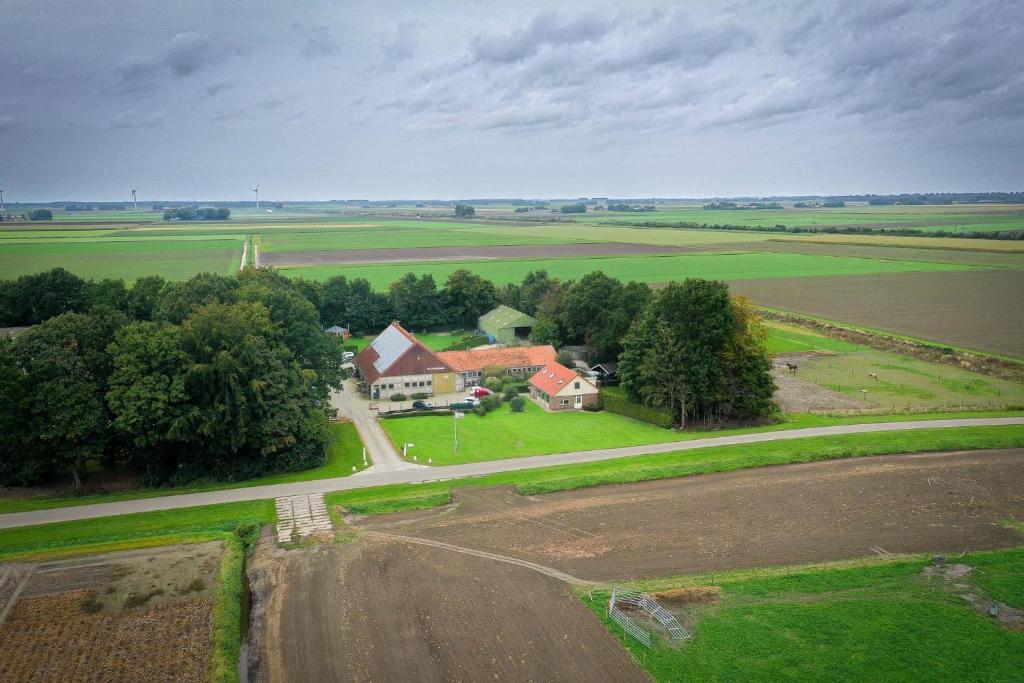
435	341
719	266
344	453
790	339
382	499
874	620
106	534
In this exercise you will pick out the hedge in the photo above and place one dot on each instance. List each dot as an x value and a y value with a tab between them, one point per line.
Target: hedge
615	401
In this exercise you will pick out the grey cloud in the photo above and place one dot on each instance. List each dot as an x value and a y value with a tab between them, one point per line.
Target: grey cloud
872	15
317	40
682	43
129	118
402	46
545	29
185	54
8	123
215	89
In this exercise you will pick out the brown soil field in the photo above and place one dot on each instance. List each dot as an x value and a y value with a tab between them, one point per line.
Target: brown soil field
795	395
893	253
791	514
350	256
381	610
979	309
130	616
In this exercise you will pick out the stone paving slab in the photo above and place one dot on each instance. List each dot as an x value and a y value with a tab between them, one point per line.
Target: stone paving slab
301	516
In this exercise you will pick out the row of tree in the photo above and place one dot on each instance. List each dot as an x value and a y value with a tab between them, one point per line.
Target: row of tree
218	376
189	213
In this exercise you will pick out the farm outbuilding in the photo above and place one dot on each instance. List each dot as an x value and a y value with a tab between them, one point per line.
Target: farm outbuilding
395	362
338	331
505	324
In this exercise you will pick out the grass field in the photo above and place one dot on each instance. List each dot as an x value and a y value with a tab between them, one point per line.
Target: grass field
344	453
790	339
128	259
909	384
861	620
389	235
652	269
435	341
384	499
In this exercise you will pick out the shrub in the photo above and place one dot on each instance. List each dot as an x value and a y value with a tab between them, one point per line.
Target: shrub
615	401
564	358
493	383
419	395
510	391
487	404
517	403
397	397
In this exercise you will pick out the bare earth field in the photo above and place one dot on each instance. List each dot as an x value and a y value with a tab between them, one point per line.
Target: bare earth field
791	514
980	309
378	610
343	256
128	616
796	395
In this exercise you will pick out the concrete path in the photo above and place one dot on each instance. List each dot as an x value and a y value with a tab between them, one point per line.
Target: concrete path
424	474
301	516
382	453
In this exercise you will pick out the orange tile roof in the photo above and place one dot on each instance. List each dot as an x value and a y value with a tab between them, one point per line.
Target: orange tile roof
553	377
517	357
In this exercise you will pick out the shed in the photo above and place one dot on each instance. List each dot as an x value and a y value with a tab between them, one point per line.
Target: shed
338	331
505	324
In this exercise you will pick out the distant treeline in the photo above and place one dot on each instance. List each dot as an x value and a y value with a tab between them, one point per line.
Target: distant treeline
632	207
750	205
203	214
94	207
834	230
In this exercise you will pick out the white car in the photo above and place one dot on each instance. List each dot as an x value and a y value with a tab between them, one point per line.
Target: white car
471	400
347	356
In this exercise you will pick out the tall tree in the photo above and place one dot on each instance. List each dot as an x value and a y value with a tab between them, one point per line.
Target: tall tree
467	296
179	299
144	296
416	301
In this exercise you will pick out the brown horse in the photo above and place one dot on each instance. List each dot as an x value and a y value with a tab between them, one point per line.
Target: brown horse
791	367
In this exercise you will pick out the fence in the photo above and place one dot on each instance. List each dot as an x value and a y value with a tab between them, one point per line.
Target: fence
648	604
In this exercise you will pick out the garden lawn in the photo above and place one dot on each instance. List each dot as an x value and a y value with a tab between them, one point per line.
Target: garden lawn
653	269
344	453
384	499
871	620
435	341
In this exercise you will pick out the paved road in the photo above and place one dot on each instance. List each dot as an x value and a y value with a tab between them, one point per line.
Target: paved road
382	453
423	474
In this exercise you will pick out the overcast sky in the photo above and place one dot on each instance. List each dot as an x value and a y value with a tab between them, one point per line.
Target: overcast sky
325	99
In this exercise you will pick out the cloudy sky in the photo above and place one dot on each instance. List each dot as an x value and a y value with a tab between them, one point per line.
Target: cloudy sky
322	99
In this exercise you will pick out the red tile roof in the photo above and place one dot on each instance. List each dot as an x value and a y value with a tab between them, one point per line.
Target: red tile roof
416	360
518	357
553	377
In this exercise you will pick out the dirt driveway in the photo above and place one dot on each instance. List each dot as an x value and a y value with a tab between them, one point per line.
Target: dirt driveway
379	610
780	515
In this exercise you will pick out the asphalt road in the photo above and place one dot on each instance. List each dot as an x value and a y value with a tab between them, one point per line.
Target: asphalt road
419	475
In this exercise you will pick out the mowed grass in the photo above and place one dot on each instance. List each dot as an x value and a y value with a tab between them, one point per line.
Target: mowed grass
790	339
909	384
127	259
652	269
867	620
344	453
389	236
392	498
435	341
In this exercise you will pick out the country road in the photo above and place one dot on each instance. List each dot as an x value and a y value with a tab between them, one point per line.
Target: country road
419	475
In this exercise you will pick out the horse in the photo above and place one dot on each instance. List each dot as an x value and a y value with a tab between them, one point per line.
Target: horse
791	367
873	375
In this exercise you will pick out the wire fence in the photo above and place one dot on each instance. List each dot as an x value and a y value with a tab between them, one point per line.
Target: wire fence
625	596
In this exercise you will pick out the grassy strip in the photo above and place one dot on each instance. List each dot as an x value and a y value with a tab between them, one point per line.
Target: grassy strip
384	499
344	453
863	620
143	529
227	605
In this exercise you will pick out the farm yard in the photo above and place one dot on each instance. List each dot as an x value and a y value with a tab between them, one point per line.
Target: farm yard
132	615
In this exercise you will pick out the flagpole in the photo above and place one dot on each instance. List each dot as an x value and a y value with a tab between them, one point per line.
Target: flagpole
455	421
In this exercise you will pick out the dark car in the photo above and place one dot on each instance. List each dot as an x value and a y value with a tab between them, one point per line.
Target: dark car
421	405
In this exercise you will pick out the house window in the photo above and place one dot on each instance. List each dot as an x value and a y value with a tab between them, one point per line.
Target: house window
577	385
430	382
407	385
564	401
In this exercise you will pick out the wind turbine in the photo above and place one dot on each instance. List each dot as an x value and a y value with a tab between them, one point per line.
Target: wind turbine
135	201
2	207
257	191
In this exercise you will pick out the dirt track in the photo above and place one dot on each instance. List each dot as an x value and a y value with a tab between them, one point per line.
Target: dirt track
978	309
378	610
781	515
350	256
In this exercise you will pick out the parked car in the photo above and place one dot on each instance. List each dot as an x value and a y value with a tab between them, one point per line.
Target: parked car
422	405
471	400
347	356
480	392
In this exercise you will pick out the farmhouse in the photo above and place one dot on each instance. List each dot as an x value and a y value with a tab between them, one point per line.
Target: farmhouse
518	362
505	324
556	387
396	362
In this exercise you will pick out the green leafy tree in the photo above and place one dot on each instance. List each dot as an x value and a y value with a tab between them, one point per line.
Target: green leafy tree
179	299
467	296
416	301
368	311
464	211
535	286
40	215
108	293
144	296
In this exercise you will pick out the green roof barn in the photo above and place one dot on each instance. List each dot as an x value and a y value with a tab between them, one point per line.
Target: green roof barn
505	324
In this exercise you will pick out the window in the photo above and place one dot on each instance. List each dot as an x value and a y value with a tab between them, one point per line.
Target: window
407	385
430	382
577	385
564	401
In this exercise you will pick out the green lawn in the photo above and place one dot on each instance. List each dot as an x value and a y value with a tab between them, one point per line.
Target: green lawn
790	339
127	259
391	236
909	384
721	266
435	341
873	620
344	453
383	499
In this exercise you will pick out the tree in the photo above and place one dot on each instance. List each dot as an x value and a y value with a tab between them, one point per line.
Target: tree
40	215
535	286
573	208
335	303
464	211
144	296
466	297
368	311
108	293
416	301
178	299
598	311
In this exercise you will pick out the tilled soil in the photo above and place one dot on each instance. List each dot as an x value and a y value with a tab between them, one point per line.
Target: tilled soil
350	256
381	610
790	514
975	309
